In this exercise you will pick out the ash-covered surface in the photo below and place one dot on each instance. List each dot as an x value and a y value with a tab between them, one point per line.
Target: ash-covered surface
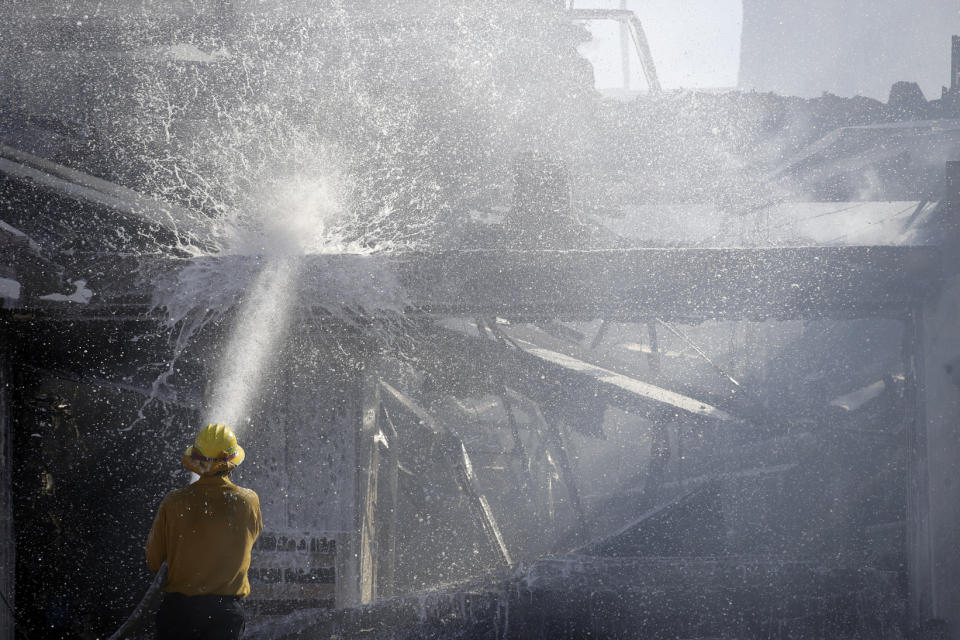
630	598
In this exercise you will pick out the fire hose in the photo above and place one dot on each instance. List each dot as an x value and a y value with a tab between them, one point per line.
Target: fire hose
148	604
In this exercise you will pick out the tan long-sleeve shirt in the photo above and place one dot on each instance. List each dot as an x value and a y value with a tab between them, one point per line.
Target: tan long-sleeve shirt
205	532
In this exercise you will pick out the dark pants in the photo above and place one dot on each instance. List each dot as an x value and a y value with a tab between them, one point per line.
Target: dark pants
183	617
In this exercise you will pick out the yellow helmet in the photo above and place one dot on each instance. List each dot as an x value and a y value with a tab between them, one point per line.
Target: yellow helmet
214	450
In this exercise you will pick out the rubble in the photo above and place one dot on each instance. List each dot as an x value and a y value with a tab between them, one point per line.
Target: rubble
614	598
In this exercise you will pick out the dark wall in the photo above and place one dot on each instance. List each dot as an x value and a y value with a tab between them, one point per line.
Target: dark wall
85	492
7	549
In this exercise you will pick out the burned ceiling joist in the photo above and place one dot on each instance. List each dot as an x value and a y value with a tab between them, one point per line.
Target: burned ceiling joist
683	284
569	389
626	384
44	175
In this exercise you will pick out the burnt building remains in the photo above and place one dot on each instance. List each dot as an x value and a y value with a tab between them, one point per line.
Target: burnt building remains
516	360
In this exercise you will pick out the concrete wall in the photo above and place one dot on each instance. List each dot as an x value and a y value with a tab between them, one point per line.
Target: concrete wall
7	547
935	554
847	48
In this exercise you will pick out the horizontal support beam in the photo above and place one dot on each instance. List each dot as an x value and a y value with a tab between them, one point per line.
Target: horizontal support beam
673	284
630	285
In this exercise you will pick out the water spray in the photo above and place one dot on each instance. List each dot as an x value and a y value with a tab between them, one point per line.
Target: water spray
297	218
253	343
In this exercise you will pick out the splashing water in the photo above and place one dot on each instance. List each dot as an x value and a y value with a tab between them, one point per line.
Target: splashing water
315	142
298	219
258	274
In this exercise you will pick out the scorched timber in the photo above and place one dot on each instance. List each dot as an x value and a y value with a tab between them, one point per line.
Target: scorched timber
672	284
621	285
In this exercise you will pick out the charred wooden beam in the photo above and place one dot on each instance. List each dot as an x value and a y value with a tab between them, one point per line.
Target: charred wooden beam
672	284
600	334
519	450
45	175
555	437
368	480
687	285
562	385
653	358
624	390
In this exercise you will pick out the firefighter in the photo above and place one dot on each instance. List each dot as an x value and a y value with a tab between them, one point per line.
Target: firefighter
204	532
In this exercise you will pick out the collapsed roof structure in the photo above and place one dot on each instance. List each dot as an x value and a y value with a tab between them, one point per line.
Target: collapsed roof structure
590	398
